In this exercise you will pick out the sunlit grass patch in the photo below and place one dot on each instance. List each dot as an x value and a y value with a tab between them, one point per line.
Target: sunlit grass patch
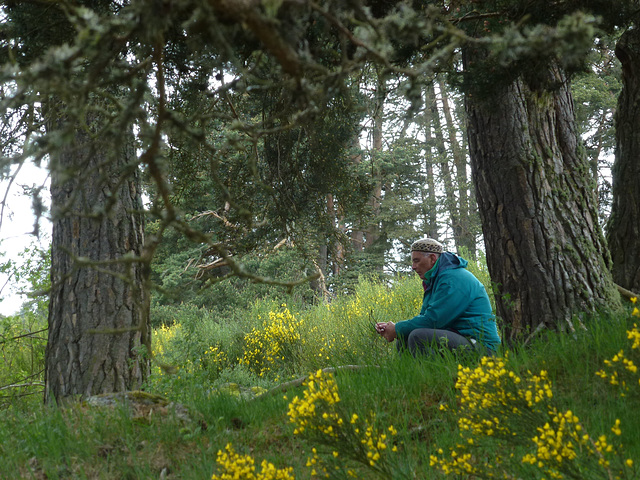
342	331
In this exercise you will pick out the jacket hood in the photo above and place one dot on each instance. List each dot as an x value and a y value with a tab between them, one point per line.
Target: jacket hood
447	261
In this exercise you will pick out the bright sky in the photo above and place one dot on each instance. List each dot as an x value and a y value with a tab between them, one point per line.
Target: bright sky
17	225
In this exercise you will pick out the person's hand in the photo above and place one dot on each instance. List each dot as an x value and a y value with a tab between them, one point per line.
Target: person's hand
387	330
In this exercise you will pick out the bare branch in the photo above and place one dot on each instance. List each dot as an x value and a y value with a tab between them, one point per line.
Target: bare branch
30	335
247	12
22	385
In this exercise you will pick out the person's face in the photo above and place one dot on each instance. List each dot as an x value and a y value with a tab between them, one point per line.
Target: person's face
421	263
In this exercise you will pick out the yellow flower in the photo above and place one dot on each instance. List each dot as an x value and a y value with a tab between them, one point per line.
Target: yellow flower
616	428
236	466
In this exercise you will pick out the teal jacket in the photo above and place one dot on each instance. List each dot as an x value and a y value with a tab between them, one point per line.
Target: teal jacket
454	299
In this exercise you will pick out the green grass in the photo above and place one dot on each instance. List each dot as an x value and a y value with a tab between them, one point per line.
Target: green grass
389	390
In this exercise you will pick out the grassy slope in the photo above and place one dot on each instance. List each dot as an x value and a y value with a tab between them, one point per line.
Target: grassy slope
83	442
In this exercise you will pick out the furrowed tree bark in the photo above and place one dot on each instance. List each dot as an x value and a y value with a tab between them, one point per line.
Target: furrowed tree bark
623	229
337	219
462	231
429	201
535	191
357	234
451	202
372	232
97	220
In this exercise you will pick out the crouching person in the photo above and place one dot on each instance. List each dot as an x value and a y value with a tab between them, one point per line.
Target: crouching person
456	311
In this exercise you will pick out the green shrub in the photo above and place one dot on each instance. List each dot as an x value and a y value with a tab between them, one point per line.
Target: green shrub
23	340
278	341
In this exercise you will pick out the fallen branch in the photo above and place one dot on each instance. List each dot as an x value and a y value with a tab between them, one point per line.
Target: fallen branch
26	335
626	293
538	329
20	385
283	387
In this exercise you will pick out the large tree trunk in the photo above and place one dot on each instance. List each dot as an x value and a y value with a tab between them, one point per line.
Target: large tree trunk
429	201
372	233
357	234
545	249
337	220
451	202
623	229
98	296
462	231
365	235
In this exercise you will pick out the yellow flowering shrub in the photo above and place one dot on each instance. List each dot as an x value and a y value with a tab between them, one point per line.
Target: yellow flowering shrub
563	448
319	397
348	439
275	345
215	359
162	337
621	370
501	411
234	466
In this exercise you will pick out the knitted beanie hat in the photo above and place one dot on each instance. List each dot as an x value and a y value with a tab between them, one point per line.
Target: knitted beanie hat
428	245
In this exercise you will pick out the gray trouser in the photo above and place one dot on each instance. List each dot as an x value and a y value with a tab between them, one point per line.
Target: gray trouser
428	341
